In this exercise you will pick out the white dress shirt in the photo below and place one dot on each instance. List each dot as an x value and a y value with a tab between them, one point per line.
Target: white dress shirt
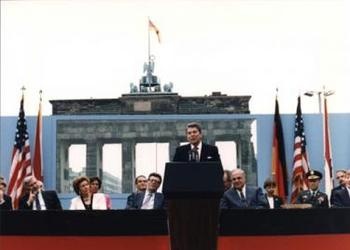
199	149
148	200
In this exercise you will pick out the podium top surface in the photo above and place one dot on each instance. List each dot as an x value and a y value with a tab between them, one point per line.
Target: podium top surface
193	179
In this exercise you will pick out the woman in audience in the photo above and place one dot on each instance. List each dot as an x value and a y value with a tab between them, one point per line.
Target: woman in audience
95	186
274	201
86	200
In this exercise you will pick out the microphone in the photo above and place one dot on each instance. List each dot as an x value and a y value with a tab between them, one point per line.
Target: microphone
192	155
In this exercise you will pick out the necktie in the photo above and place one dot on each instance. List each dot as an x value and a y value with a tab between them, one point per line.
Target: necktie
243	200
147	199
242	195
37	203
196	154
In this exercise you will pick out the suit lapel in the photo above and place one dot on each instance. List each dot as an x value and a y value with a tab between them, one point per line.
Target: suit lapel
155	204
140	200
203	152
236	198
45	198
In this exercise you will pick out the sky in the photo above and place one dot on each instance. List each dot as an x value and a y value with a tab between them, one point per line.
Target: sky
95	49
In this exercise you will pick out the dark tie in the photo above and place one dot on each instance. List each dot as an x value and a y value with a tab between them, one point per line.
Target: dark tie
243	200
196	154
241	194
37	203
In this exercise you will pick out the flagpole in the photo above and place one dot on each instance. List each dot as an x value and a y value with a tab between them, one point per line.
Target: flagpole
149	43
23	89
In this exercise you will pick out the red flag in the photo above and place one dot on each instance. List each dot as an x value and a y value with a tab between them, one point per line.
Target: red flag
37	159
21	164
300	164
151	26
279	170
328	165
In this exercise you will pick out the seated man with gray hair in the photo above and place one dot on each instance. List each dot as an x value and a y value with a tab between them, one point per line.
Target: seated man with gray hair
241	195
37	199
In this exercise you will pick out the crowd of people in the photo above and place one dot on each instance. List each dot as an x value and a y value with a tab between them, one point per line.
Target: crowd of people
237	194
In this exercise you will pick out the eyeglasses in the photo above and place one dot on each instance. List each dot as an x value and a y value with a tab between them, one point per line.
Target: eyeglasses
141	181
154	180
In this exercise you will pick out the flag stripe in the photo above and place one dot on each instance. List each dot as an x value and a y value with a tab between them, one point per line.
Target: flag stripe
279	169
21	161
300	162
328	167
37	159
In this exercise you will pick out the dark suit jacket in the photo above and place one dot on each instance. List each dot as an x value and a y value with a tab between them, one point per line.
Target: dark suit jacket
341	198
277	201
254	199
208	153
135	200
50	198
334	190
7	205
318	201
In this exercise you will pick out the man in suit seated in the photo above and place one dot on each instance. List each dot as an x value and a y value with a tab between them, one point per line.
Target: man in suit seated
141	186
227	180
150	199
274	201
196	150
5	200
37	199
340	175
342	197
313	196
241	195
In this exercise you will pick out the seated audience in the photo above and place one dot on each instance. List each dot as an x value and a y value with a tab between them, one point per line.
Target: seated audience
241	195
313	196
95	186
227	179
5	200
35	198
150	199
141	183
274	201
342	197
340	175
141	186
86	200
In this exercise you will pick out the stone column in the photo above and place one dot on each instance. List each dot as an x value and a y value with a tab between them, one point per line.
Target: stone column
128	165
62	178
173	144
247	160
93	158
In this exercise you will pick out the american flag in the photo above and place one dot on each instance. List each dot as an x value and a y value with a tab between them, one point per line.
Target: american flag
300	165
21	163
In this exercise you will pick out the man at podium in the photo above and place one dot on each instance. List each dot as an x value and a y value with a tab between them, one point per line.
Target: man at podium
196	150
193	186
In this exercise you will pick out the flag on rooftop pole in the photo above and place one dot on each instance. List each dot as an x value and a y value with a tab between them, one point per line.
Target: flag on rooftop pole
37	158
328	164
300	163
21	162
151	26
278	168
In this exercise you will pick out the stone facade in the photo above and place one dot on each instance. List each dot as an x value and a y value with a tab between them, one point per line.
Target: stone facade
154	103
97	132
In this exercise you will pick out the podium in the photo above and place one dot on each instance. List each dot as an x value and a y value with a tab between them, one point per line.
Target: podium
193	191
